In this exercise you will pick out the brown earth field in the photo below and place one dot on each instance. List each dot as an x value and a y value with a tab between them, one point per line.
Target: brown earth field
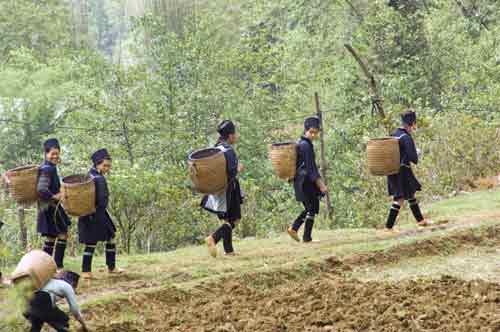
323	296
441	278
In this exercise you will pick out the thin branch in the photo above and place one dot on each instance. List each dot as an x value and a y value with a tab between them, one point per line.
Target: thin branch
355	10
466	14
377	100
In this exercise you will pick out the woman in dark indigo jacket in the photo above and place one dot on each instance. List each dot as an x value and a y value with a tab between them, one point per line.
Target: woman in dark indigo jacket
404	185
52	220
98	227
308	184
226	205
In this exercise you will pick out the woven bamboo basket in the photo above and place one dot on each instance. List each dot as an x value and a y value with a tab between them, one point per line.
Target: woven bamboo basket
38	266
283	157
208	170
22	183
79	192
383	156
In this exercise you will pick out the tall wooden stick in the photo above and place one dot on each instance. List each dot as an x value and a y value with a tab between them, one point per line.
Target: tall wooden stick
377	100
323	165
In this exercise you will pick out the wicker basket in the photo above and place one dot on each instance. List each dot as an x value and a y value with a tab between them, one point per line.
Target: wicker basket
79	191
208	170
283	157
22	183
383	156
38	266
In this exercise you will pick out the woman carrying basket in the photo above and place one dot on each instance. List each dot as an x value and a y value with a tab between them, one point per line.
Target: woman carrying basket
404	185
227	205
308	184
98	227
52	220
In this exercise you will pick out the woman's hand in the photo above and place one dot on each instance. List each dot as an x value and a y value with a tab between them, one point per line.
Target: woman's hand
59	196
240	167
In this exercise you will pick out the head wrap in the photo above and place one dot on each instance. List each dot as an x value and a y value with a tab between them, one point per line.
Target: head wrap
100	155
409	117
226	128
70	277
51	143
311	122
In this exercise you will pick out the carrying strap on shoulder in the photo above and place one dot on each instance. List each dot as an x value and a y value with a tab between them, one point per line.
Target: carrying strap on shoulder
398	138
297	147
222	148
45	168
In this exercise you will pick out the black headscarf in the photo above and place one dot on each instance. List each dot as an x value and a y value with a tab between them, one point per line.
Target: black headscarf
311	122
226	128
409	117
70	277
51	143
99	156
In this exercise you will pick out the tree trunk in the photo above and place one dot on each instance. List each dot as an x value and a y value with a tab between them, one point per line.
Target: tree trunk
83	23
23	231
128	145
323	165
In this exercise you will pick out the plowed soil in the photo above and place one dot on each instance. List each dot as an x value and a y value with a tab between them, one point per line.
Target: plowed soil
323	302
321	297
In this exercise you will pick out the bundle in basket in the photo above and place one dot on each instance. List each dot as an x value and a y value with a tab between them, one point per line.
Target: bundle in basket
36	265
383	156
283	157
208	170
79	192
22	183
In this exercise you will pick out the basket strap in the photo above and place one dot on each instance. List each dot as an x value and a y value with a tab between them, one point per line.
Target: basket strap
222	148
5	178
403	165
55	215
193	169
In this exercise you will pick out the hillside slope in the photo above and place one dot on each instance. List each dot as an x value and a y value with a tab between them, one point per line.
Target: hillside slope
445	277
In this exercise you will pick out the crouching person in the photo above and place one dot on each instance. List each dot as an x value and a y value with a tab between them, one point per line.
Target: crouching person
42	308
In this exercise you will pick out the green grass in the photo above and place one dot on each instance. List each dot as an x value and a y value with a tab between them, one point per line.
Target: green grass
191	266
465	205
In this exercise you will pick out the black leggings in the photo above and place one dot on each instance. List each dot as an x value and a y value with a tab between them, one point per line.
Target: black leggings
41	311
225	232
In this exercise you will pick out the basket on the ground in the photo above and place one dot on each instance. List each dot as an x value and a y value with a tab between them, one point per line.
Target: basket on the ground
283	157
38	266
208	170
79	192
383	156
22	183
